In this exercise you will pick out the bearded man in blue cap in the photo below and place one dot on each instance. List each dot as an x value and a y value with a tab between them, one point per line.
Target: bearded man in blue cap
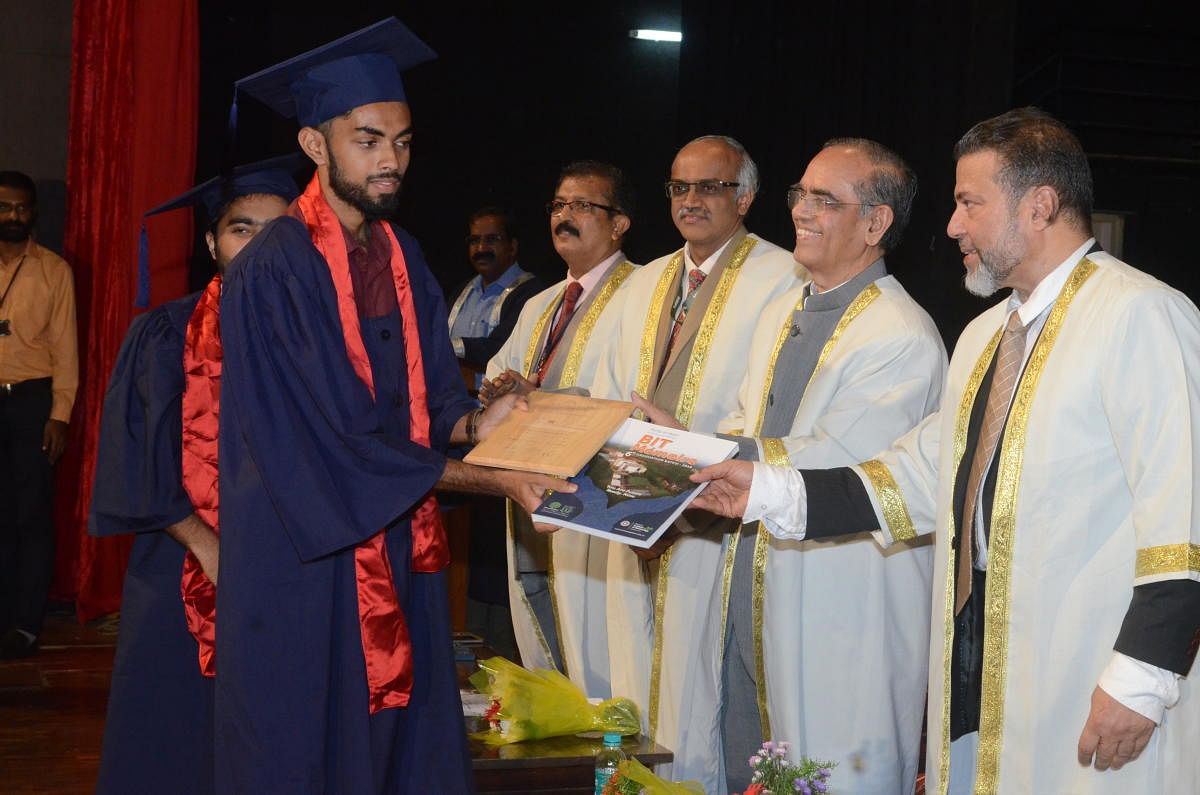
340	394
158	736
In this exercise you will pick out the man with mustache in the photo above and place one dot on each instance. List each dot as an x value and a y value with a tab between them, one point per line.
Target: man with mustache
158	730
681	342
39	373
340	395
796	647
1060	479
483	315
559	620
481	319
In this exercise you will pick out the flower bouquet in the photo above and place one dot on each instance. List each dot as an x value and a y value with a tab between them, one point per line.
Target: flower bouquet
530	705
775	775
633	778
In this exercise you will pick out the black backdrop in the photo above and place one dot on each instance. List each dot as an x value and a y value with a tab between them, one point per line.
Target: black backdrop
521	88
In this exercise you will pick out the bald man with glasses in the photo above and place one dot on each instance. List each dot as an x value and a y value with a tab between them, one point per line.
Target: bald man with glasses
685	327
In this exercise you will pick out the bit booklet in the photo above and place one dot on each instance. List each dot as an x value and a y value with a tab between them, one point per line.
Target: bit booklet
637	485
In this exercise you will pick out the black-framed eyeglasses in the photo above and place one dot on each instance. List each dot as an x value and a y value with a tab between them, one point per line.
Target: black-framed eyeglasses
813	204
490	239
578	206
677	189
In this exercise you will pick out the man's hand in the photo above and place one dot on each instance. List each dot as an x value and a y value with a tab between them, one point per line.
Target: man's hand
728	488
208	554
54	440
654	414
503	384
660	546
527	489
1113	732
199	539
496	411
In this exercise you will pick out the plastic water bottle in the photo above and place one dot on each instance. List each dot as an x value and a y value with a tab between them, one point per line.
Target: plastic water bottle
607	759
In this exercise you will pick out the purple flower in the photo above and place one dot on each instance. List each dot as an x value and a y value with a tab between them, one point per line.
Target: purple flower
819	786
768	746
801	786
825	772
754	760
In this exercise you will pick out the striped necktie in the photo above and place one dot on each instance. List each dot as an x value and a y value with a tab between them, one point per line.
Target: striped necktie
1009	359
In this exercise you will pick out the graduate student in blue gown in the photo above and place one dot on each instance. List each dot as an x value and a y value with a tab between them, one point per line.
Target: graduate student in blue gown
340	393
158	734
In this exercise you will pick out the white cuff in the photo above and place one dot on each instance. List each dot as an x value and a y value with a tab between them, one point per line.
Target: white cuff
457	343
1144	688
779	500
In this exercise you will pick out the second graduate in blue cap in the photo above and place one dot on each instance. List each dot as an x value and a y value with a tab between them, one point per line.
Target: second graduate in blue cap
340	395
158	734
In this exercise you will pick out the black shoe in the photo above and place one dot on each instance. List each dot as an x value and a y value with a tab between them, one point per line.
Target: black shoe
16	644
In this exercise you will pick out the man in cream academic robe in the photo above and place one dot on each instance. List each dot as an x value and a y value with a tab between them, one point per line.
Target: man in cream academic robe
1063	621
557	583
796	647
682	343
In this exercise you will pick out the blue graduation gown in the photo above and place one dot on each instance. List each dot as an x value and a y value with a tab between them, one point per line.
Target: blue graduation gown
311	465
158	733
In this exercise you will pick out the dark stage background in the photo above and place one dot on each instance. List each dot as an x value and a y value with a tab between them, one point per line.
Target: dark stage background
521	88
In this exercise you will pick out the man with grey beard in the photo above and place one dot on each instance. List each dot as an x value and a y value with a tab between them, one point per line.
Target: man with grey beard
1060	479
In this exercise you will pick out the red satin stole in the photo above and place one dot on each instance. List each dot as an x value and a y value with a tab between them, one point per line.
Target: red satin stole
387	648
201	409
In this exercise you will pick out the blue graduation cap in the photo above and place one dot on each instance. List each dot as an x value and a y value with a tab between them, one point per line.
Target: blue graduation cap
359	69
272	176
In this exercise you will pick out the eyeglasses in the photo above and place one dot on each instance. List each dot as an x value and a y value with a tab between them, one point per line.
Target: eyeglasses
816	205
677	189
16	209
490	239
578	206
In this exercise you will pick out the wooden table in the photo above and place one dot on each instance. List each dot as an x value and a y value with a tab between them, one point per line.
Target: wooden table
556	764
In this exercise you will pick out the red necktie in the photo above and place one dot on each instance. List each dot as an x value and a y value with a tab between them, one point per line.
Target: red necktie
695	279
570	298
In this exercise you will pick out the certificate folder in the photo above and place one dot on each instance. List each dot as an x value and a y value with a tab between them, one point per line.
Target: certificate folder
557	436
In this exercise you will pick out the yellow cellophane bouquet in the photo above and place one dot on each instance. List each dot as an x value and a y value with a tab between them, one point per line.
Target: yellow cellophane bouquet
530	705
633	778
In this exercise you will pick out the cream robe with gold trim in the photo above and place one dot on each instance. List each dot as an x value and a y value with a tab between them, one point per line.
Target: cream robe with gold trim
716	367
1096	493
839	629
577	560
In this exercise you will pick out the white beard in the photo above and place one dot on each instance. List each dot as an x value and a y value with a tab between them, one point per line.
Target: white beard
983	281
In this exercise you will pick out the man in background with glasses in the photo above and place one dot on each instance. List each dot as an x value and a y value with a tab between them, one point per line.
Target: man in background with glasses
39	372
813	641
557	344
684	332
486	309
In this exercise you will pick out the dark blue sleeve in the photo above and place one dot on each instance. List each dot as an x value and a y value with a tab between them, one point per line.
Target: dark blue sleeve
448	397
292	403
139	480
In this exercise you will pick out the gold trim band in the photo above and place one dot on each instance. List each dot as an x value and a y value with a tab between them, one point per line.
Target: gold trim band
895	512
1167	559
1001	539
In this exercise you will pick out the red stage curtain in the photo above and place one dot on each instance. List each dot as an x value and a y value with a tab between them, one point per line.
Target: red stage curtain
131	145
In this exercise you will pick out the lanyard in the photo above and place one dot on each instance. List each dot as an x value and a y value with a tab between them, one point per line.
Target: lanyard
16	273
552	339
